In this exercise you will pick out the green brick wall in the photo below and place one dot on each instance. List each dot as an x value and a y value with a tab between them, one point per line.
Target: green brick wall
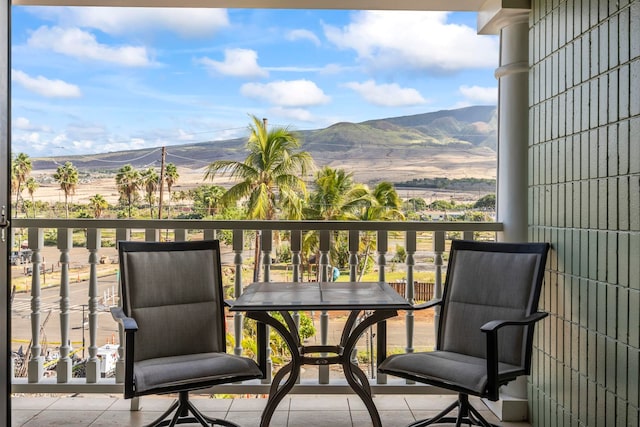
584	198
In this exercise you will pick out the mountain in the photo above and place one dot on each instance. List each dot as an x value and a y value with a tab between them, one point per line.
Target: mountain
452	143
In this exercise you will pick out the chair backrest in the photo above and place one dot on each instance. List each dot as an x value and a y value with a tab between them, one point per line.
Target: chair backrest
491	281
174	292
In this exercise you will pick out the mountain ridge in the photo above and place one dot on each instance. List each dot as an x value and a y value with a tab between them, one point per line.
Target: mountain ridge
395	147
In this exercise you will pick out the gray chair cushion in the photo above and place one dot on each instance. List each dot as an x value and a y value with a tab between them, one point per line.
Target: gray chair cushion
458	370
486	286
193	368
170	285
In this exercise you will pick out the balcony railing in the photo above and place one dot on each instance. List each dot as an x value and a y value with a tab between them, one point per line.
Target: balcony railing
426	239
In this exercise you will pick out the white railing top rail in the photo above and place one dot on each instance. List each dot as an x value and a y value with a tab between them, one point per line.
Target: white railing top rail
257	224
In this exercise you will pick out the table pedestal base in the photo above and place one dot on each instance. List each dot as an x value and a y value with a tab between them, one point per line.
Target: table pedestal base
327	355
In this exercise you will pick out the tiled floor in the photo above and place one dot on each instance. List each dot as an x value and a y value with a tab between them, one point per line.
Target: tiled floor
293	411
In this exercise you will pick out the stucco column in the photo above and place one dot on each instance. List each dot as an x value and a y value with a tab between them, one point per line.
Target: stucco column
513	131
510	20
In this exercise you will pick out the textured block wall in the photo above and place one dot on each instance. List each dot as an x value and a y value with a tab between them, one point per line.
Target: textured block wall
584	198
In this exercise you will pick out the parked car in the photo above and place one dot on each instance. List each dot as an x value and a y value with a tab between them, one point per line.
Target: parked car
18	257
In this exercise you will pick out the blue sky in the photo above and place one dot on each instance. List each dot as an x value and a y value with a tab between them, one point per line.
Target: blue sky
88	80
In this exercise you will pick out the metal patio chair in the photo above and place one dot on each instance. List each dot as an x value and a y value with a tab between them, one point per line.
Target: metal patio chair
485	336
172	311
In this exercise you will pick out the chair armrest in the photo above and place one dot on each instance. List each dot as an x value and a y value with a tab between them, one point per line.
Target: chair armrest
128	323
494	325
427	304
491	330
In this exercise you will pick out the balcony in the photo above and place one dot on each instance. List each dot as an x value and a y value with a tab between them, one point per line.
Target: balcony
63	302
294	411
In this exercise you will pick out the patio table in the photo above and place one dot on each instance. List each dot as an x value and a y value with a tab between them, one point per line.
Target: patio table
377	301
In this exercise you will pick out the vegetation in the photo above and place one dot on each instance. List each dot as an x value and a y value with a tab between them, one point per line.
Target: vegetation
461	184
128	183
268	184
270	176
21	167
67	176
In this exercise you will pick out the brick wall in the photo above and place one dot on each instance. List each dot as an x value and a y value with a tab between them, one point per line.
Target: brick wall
584	198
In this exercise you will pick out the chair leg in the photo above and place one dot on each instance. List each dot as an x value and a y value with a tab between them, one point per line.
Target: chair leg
467	414
182	408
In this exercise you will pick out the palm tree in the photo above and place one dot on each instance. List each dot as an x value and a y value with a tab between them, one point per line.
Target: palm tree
32	185
336	196
98	204
171	175
271	173
67	177
128	183
150	181
385	205
206	199
20	169
270	176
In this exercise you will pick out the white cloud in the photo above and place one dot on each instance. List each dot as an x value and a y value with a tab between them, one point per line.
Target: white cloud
132	20
414	41
301	34
185	136
237	63
292	93
24	124
486	95
387	95
83	45
21	123
299	114
46	87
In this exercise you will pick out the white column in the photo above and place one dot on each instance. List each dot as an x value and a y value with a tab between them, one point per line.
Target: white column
511	23
513	131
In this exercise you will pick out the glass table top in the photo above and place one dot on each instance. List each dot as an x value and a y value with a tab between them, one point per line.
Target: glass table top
268	296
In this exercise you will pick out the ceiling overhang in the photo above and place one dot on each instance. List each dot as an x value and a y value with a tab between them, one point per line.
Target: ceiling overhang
425	5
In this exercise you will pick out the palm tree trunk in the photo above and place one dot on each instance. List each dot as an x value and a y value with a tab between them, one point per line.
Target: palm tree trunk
256	262
364	265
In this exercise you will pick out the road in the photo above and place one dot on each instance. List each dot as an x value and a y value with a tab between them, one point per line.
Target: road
108	330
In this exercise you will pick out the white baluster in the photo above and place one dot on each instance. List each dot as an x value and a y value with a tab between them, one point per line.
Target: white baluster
121	234
35	365
438	249
382	245
64	367
325	246
266	244
93	364
410	243
354	247
238	245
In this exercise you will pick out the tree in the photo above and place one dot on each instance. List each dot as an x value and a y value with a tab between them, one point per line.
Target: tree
486	202
206	199
271	175
171	175
336	196
67	177
385	206
21	167
32	185
128	183
150	181
415	204
98	204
